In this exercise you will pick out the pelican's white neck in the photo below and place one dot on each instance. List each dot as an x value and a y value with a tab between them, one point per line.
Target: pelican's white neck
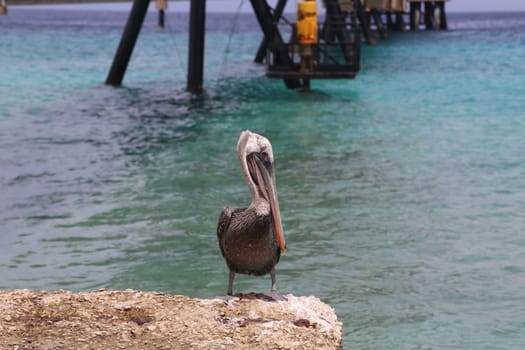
261	206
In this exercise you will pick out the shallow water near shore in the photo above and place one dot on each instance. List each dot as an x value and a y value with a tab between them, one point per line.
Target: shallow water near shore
401	192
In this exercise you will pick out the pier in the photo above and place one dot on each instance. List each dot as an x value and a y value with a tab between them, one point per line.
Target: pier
316	50
324	43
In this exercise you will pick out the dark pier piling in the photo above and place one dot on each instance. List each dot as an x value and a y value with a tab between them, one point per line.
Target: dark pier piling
434	16
131	33
161	6
196	49
127	42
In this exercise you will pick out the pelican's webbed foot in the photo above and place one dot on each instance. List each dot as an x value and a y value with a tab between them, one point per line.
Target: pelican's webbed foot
226	297
271	296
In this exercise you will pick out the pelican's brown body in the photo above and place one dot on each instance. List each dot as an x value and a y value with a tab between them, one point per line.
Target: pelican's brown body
251	239
247	241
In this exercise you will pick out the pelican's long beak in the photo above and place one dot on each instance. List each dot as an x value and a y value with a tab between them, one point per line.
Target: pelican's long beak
269	189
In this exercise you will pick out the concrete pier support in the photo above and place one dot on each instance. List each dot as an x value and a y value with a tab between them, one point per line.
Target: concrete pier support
160	19
429	15
161	6
399	24
434	16
127	42
380	26
196	48
442	16
415	15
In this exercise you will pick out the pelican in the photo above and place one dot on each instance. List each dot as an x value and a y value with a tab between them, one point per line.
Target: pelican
251	239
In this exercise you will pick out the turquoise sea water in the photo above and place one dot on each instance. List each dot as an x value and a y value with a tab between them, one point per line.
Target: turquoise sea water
402	192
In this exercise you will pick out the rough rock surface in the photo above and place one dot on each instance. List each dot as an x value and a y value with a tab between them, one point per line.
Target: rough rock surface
108	319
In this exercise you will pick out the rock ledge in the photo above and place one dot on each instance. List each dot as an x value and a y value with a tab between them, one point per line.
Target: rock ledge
108	319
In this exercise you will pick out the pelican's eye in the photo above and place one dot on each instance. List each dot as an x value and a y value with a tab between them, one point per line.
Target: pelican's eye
265	159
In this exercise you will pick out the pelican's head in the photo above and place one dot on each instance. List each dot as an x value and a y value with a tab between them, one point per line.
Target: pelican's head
256	156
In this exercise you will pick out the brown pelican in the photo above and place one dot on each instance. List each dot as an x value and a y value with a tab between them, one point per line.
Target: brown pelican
251	239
